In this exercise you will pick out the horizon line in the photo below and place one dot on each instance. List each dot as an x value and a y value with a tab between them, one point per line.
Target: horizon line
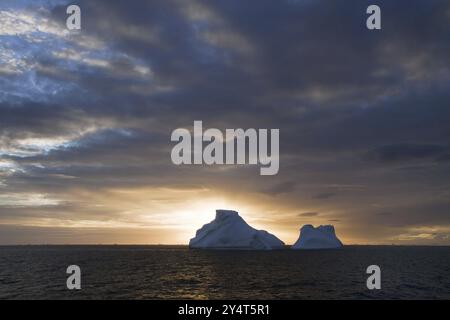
187	245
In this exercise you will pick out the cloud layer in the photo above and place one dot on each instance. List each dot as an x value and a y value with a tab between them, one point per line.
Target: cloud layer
86	117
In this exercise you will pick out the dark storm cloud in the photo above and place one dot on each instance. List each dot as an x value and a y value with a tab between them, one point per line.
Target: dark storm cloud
283	187
417	214
324	195
308	214
409	152
108	146
349	102
384	213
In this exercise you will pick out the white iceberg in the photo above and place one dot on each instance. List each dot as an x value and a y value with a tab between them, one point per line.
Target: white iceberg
229	231
322	237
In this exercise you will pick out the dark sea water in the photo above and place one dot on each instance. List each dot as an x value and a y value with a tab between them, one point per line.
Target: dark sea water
165	272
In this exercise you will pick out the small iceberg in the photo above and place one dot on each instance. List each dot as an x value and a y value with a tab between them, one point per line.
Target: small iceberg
229	231
322	237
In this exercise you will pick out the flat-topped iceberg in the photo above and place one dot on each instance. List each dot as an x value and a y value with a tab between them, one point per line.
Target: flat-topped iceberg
229	231
322	237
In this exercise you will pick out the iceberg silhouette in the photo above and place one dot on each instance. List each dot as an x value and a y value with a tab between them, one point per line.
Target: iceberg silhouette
229	231
322	237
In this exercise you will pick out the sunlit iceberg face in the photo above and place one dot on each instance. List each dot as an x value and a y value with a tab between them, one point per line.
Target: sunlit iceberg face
229	231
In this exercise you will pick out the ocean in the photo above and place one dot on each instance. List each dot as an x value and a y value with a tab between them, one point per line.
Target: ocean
175	272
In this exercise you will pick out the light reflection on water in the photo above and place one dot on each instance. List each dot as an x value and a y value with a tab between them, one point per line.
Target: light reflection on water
168	272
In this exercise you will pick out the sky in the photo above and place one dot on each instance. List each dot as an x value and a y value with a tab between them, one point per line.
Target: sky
86	118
